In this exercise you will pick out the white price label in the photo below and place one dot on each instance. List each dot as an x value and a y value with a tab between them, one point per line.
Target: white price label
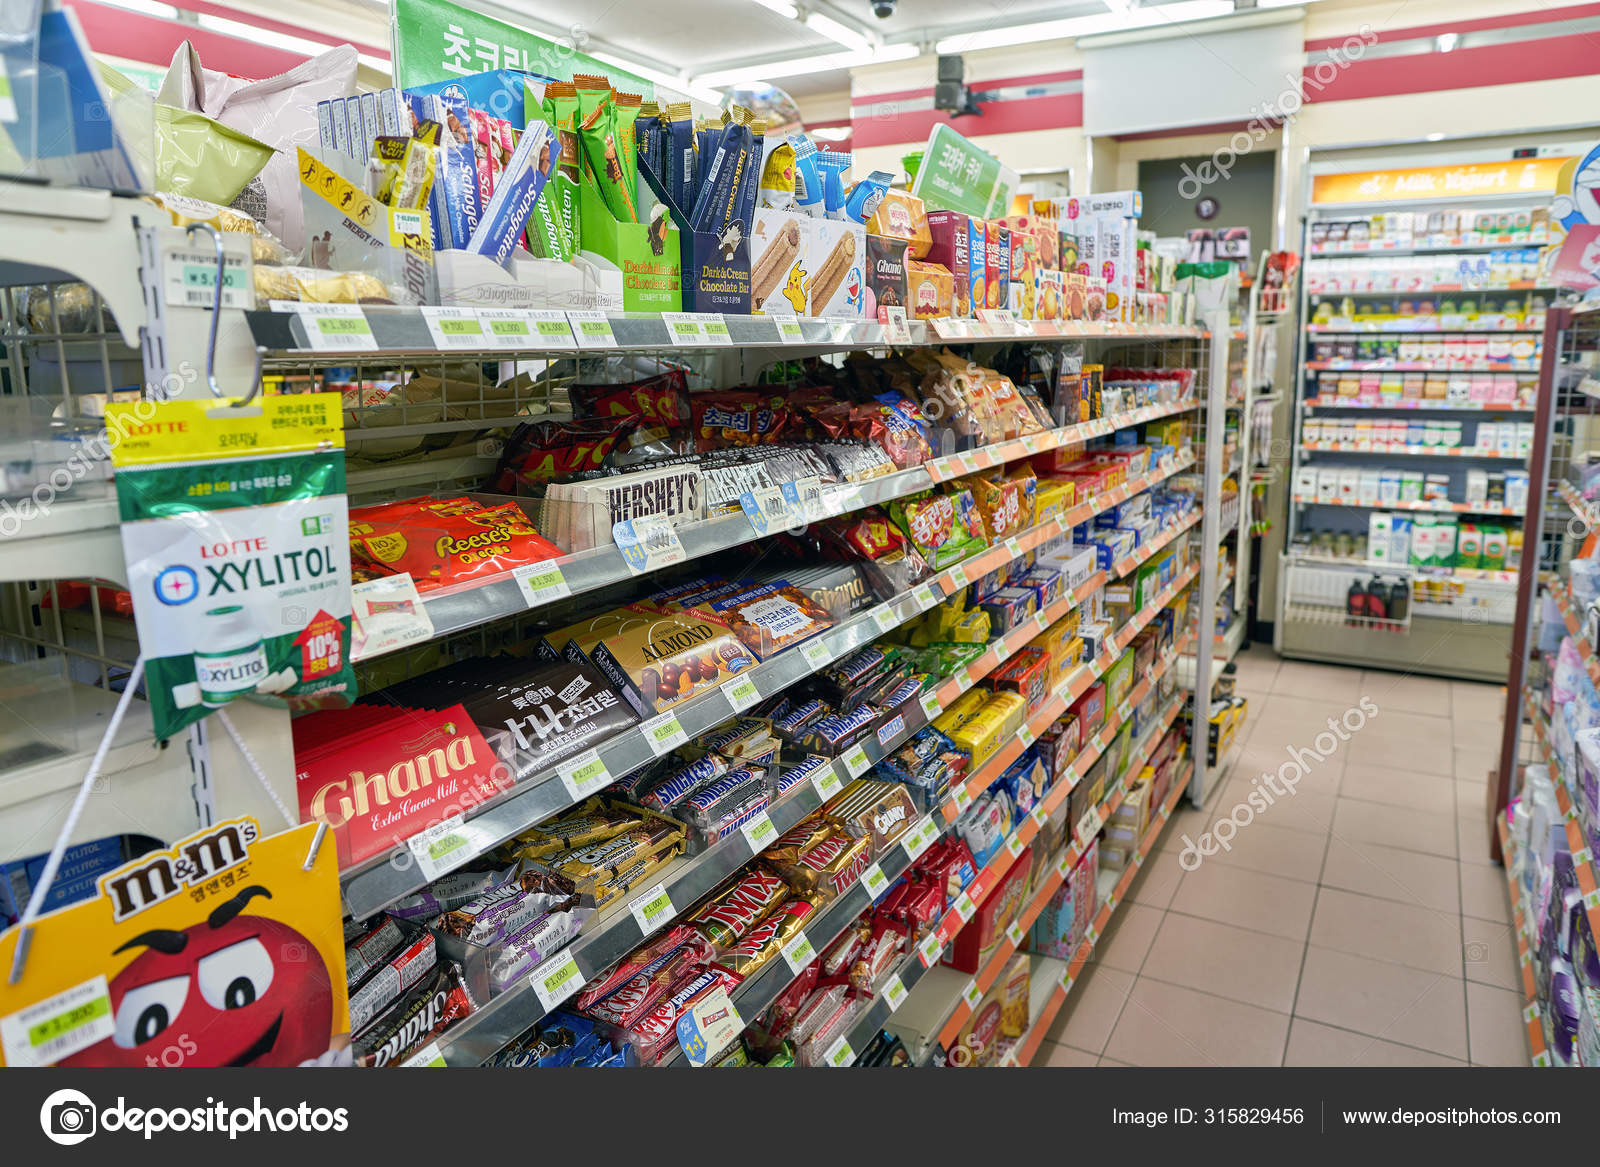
191	276
454	328
652	908
958	575
1063	868
948	327
333	327
714	327
964	907
817	654
741	693
1041	621
1013	845
684	327
856	761
583	775
875	881
1124	711
929	597
840	1054
592	329
790	332
1013	548
759	833
446	845
930	950
798	953
930	705
1014	934
513	328
43	1033
972	995
429	1057
663	733
648	543
884	618
1039	815
541	583
826	783
894	991
969	461
919	838
961	797
555	980
1025	736
895	329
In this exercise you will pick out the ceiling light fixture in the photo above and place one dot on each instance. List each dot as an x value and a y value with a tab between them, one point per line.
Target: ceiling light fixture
1020	34
672	81
839	33
800	66
147	7
782	7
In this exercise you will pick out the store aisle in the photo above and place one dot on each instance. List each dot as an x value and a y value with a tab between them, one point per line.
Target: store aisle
1355	918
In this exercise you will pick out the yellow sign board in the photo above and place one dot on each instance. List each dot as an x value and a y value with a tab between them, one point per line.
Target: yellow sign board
220	950
1522	176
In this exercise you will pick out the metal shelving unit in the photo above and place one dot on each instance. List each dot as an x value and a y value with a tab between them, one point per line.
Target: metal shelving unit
122	247
1461	626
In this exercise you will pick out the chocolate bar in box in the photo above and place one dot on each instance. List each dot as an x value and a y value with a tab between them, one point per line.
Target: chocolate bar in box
550	712
580	515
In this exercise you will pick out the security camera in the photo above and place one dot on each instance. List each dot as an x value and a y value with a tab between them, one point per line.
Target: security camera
883	9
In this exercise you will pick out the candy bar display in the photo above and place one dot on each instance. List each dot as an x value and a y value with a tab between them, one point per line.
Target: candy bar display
697	681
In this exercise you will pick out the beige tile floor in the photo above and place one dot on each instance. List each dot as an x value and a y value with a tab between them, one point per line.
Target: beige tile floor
1356	922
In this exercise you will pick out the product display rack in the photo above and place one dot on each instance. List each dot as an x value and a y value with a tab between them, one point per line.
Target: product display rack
1459	626
80	538
1044	1013
1542	827
1530	1012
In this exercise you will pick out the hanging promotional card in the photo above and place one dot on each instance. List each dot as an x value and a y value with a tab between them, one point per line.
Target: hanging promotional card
219	951
235	527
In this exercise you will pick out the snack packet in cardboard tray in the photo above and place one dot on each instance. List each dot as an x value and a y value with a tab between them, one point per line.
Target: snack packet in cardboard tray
236	531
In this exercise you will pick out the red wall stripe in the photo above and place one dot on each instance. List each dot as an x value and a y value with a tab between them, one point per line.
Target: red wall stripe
1539	60
992	83
999	117
1513	20
134	35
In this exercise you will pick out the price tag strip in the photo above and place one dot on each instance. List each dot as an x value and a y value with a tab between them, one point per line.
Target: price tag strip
663	733
798	953
592	329
43	1033
541	583
332	327
583	775
555	980
454	328
741	693
856	761
652	908
826	783
894	991
760	833
446	845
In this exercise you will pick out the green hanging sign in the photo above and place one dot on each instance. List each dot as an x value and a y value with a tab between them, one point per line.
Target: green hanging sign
956	175
434	40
